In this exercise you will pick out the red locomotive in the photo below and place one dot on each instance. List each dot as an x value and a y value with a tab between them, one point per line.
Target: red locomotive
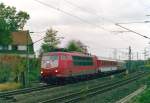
62	65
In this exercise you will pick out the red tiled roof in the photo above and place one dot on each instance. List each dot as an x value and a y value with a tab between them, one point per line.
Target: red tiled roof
21	37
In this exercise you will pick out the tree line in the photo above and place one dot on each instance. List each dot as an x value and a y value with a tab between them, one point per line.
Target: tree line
10	20
51	42
12	67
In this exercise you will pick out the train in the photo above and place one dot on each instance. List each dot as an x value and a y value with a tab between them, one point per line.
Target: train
60	66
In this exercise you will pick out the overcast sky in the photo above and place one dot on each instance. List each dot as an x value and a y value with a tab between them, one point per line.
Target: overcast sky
92	22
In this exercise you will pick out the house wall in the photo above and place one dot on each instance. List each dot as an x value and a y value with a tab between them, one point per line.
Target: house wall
29	55
22	47
9	47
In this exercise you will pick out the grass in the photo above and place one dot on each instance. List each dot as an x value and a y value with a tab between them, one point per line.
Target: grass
9	86
144	97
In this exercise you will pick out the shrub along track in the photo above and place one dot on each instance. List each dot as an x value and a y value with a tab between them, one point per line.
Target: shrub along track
76	96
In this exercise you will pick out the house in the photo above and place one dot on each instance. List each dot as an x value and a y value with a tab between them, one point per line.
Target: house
21	45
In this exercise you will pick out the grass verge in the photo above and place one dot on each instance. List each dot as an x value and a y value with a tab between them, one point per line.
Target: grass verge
9	86
144	97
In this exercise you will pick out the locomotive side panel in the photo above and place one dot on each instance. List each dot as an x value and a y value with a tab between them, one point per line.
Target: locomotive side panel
83	65
65	65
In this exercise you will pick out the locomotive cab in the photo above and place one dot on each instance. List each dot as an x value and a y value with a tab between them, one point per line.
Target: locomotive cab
49	64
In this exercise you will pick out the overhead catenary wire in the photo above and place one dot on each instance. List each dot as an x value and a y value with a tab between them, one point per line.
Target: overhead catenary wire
53	7
38	40
69	14
42	38
58	37
95	14
77	17
133	31
128	30
83	20
83	9
72	15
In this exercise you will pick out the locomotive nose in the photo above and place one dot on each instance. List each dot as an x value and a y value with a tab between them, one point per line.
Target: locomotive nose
41	72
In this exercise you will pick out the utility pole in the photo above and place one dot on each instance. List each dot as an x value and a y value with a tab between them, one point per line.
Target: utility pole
28	71
137	56
129	57
25	74
115	53
145	55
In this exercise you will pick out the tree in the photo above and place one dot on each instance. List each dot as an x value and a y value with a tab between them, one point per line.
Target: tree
78	46
5	37
74	46
10	20
50	40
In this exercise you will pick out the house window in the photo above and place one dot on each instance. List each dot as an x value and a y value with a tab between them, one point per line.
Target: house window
15	47
9	47
5	47
22	47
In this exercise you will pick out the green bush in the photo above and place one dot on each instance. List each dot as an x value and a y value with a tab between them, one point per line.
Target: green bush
4	72
13	66
34	69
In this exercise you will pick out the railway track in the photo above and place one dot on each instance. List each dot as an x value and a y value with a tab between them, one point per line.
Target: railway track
10	94
98	89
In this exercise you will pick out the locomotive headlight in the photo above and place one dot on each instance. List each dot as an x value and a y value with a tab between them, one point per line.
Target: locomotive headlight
56	70
41	72
47	62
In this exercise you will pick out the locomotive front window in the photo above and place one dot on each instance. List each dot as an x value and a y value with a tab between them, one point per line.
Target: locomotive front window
50	58
54	57
49	61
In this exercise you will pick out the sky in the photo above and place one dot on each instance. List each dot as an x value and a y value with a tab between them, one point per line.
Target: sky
92	22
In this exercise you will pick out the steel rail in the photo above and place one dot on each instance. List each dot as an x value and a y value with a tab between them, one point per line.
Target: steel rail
8	94
24	90
93	92
74	96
